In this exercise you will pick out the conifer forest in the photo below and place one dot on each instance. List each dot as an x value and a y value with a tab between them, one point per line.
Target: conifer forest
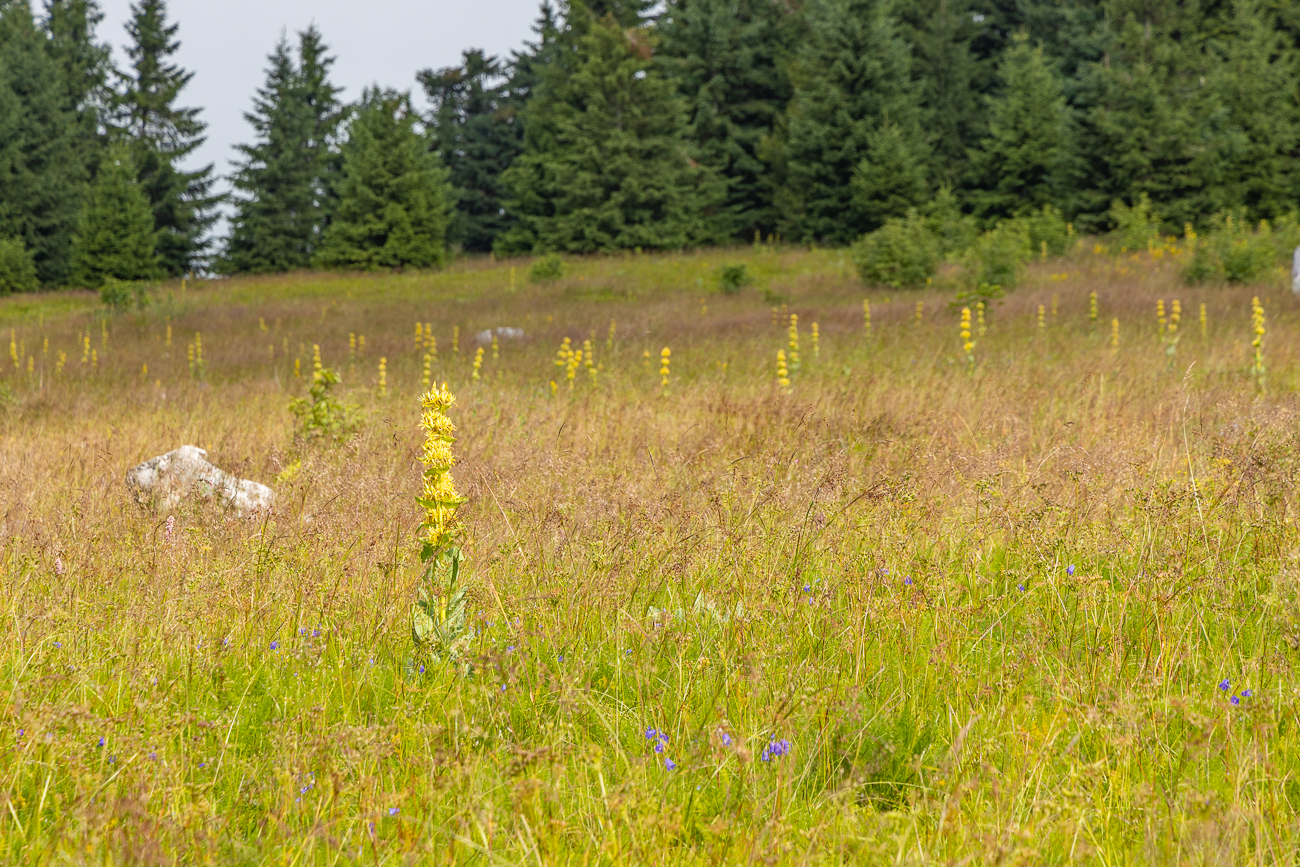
714	432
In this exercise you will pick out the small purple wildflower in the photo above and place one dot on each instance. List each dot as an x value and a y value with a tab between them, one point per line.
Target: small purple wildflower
1069	570
907	582
724	737
101	742
1226	685
650	733
57	645
1020	587
659	746
1235	700
203	764
422	668
393	811
1247	693
670	764
275	645
154	756
807	588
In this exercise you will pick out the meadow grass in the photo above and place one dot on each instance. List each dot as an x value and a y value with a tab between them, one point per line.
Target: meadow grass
1039	608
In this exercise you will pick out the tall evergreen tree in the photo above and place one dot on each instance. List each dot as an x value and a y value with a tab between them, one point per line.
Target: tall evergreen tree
164	135
85	66
42	172
1251	112
1139	130
853	79
607	164
283	177
1023	163
393	196
730	60
116	237
477	134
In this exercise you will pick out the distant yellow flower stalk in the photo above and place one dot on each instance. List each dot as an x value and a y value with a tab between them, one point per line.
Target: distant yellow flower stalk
554	388
361	344
571	362
664	359
967	346
794	341
168	342
1204	323
352	345
455	340
775	317
297	368
562	354
1114	333
144	371
438	497
198	353
58	365
383	377
609	340
1257	326
31	364
261	323
920	311
866	316
103	334
979	317
1092	309
94	359
432	345
419	335
1042	318
85	348
782	372
1161	321
478	363
45	346
645	359
1055	298
316	366
429	339
426	378
1174	317
496	350
588	356
13	348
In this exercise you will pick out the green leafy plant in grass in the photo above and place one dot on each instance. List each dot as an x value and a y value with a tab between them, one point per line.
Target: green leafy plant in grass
17	269
438	617
548	268
118	295
1234	251
322	417
902	253
1136	228
732	279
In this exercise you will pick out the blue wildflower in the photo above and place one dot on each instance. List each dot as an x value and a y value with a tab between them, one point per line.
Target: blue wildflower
393	811
1020	587
101	742
1235	700
650	733
724	737
907	582
275	645
670	764
1226	685
1247	693
659	746
1069	570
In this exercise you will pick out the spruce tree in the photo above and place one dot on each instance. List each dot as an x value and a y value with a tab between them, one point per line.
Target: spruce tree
892	178
730	59
84	65
1250	107
1023	162
42	172
607	164
283	178
393	196
476	133
164	135
854	80
116	236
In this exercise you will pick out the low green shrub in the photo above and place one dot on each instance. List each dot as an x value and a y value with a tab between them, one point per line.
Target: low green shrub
733	278
1136	227
903	253
1234	251
549	267
998	256
17	270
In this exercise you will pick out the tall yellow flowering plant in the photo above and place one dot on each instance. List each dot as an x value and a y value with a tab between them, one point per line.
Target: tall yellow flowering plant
438	615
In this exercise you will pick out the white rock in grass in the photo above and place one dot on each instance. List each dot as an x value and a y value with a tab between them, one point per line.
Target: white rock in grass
503	333
167	480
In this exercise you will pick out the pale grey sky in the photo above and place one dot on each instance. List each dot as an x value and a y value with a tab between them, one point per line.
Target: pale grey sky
381	41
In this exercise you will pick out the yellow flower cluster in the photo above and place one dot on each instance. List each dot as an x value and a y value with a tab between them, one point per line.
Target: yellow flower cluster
1092	309
816	341
438	497
1257	326
794	341
967	346
664	358
1161	320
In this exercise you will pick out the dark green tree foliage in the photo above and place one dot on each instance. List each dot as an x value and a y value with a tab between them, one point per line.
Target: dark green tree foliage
163	135
42	171
477	133
607	164
853	80
283	178
84	67
116	237
729	59
393	196
1022	163
1251	116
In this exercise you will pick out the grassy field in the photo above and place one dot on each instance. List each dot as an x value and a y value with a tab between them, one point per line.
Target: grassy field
1043	610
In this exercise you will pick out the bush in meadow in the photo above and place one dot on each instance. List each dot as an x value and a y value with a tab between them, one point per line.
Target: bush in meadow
1234	251
902	253
17	270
